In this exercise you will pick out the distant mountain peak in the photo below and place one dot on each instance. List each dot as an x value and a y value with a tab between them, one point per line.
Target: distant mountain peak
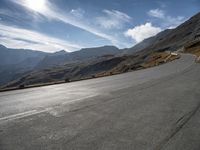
58	53
63	51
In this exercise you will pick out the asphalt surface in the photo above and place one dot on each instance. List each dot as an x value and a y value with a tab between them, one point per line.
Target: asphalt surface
151	109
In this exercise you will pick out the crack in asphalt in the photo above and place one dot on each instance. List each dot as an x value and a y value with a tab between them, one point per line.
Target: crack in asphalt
180	123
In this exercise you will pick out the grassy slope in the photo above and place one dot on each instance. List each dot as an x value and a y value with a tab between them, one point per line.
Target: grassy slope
193	48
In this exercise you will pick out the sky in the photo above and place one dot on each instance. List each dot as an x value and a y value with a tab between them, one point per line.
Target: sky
54	25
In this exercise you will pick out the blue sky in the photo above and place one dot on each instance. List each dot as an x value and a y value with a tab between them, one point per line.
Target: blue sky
53	25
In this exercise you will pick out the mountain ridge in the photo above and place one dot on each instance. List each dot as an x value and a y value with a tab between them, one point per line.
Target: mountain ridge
80	55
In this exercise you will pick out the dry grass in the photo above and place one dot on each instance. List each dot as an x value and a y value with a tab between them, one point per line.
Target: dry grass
158	58
195	51
193	48
153	60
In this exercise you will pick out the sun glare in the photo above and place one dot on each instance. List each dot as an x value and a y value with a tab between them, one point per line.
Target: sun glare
36	5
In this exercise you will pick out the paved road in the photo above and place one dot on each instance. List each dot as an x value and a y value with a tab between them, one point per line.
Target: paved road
152	109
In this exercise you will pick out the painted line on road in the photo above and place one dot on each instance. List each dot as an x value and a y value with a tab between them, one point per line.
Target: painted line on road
21	115
34	112
17	115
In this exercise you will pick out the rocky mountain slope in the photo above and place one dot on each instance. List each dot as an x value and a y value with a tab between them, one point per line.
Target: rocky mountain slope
148	42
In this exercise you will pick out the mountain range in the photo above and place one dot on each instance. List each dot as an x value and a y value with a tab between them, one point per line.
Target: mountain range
15	62
27	67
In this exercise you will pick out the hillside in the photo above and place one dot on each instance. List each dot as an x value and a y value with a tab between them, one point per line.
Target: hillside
15	63
10	56
149	42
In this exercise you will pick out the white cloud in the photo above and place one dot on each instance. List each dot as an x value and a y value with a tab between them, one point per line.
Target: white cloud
51	12
166	21
113	19
158	13
14	37
139	33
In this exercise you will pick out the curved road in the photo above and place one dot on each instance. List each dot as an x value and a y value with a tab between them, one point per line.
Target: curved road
151	109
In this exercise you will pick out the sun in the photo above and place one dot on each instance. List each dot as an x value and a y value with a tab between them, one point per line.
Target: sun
36	5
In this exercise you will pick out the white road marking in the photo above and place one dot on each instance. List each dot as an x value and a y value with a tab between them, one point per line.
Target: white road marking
34	112
19	115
